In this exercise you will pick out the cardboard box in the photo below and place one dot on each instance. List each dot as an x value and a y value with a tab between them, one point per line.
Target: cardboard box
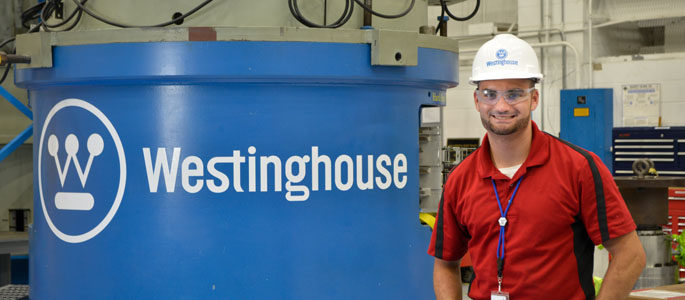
671	292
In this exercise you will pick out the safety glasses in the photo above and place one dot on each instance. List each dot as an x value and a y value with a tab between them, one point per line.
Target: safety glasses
512	96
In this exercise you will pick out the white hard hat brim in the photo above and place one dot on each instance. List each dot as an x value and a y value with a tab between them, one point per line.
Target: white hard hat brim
504	75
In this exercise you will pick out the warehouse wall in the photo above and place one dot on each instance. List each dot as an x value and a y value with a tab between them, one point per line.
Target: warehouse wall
16	184
461	119
16	171
664	69
620	35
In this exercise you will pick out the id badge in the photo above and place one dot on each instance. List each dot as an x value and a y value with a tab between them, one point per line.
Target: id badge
499	295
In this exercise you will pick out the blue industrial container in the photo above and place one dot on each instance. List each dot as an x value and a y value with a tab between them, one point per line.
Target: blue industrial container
230	170
587	117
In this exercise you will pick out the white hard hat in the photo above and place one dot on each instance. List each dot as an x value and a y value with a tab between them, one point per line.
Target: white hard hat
505	57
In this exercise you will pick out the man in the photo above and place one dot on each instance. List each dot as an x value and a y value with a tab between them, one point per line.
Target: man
528	207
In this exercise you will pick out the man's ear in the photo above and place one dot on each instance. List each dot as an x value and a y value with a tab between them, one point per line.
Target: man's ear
475	101
535	100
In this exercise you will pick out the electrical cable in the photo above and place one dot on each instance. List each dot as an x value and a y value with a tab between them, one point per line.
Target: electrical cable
32	13
109	22
50	8
442	16
5	42
444	6
402	14
78	19
346	15
325	10
27	15
46	12
35	28
4	75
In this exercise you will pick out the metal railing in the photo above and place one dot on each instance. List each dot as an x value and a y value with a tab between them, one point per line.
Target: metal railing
24	135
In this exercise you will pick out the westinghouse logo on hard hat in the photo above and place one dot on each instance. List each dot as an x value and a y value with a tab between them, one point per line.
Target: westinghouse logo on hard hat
501	56
81	170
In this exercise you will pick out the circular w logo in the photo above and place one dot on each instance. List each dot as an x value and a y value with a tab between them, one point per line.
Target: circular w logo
501	54
75	208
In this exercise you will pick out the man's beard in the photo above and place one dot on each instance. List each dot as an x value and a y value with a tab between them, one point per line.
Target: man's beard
517	126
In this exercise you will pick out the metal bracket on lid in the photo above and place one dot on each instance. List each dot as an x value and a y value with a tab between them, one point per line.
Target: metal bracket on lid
38	46
388	47
394	48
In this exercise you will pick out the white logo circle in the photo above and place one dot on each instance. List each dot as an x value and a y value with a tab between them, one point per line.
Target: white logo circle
501	54
95	144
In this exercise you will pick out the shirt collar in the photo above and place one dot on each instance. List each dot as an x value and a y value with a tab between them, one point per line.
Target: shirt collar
538	155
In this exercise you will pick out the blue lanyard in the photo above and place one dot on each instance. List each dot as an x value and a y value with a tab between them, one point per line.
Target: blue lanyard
502	223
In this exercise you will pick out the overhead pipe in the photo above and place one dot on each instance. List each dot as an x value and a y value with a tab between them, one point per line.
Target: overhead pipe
546	15
518	32
563	50
576	54
589	32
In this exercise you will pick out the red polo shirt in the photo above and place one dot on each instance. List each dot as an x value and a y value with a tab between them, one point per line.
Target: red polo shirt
567	203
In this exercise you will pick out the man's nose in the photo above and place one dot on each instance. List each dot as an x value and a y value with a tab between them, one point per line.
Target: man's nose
501	102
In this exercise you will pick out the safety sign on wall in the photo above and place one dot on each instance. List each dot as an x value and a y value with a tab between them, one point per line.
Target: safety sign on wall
641	104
